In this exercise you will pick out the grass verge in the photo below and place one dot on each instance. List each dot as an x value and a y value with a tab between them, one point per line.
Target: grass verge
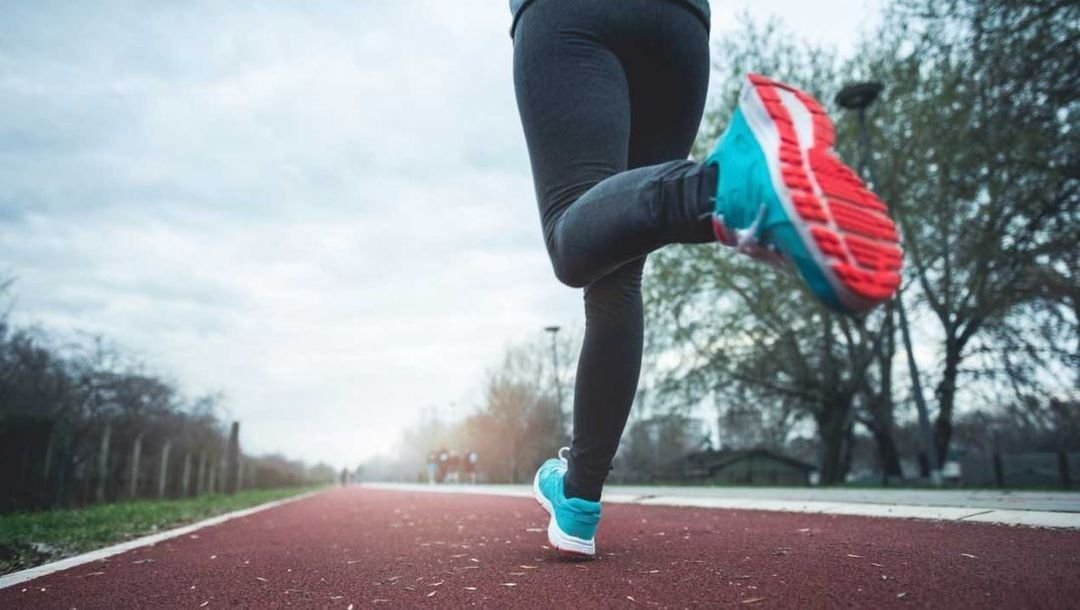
31	539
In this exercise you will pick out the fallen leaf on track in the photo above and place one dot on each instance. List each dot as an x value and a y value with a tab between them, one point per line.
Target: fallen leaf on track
901	595
470	588
855	556
508	584
528	567
631	599
432	593
969	555
753	600
261	578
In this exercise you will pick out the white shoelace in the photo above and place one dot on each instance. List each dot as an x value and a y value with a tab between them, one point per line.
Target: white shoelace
562	457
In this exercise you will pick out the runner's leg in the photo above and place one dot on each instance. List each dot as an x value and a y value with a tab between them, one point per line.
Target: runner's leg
601	91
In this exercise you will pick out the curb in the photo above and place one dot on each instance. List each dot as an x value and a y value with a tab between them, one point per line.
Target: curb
956	514
22	576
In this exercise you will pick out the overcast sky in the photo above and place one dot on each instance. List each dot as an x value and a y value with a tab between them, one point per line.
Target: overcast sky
323	209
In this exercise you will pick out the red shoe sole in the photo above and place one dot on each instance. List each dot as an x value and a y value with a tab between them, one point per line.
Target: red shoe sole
848	224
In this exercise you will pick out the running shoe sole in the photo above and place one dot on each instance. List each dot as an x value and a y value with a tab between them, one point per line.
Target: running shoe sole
843	226
567	546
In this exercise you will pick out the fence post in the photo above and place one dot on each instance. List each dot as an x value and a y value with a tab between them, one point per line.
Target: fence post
63	465
1063	468
240	465
185	478
49	449
232	460
999	470
103	464
136	450
200	487
211	478
163	474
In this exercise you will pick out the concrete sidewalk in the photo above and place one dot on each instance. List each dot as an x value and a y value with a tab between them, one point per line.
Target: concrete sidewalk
1037	509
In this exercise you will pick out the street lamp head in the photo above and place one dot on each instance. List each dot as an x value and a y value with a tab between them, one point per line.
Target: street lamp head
858	96
552	329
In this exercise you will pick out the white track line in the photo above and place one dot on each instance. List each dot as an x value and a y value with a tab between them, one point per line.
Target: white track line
1030	518
15	578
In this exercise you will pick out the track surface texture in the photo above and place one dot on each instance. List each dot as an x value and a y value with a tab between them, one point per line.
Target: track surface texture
359	548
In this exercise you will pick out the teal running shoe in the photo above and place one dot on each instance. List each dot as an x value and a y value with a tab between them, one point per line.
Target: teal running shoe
572	528
784	196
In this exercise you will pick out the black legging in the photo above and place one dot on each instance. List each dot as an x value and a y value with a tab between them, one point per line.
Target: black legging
610	96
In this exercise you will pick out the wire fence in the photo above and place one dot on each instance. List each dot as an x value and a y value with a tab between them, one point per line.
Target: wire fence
45	465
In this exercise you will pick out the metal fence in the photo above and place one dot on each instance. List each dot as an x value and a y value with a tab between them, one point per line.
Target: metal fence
42	466
1038	470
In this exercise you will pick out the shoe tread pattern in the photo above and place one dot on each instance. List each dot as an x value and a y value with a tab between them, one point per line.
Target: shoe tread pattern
849	224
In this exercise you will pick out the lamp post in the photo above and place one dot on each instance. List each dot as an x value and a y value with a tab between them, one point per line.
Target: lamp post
859	97
554	330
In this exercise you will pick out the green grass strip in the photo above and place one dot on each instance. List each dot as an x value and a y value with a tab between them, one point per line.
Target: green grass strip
30	539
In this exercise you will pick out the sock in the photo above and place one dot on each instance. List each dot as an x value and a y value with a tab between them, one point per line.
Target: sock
572	488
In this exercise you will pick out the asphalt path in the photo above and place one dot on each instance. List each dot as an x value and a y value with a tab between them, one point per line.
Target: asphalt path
360	547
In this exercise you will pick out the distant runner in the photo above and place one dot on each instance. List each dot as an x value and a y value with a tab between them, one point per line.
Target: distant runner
432	467
471	457
610	96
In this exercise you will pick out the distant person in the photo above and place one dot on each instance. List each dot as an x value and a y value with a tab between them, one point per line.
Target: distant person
432	467
611	95
453	467
444	465
471	458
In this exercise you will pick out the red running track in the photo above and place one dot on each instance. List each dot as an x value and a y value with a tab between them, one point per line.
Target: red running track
360	547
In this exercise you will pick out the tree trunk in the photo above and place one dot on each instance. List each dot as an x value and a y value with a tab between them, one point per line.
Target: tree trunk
946	393
849	453
832	430
887	453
